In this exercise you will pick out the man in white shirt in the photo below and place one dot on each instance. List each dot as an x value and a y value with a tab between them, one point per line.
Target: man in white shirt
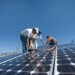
28	36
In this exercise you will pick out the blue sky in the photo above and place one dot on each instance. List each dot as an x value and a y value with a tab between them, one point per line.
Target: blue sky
55	18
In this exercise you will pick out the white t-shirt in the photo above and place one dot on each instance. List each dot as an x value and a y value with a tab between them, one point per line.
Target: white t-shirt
28	33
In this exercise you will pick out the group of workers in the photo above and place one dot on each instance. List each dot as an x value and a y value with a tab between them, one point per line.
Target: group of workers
28	38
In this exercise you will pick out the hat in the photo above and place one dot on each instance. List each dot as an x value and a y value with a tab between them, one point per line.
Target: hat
37	30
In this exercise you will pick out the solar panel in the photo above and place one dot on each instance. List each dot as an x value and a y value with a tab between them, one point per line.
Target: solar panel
62	62
65	61
20	66
4	58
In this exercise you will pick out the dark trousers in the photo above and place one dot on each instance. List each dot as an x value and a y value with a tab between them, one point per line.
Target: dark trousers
24	43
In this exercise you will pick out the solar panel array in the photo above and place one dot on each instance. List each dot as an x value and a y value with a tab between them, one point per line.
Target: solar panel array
62	62
20	66
65	61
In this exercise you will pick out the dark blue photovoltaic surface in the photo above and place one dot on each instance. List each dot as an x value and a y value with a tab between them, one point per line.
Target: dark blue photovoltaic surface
20	65
66	61
63	64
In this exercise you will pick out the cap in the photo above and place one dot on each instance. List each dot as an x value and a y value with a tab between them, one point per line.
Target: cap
37	30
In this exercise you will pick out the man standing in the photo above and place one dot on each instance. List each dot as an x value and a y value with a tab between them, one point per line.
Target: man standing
28	36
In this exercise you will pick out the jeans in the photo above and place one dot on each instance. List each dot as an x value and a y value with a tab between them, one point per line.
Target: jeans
24	43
